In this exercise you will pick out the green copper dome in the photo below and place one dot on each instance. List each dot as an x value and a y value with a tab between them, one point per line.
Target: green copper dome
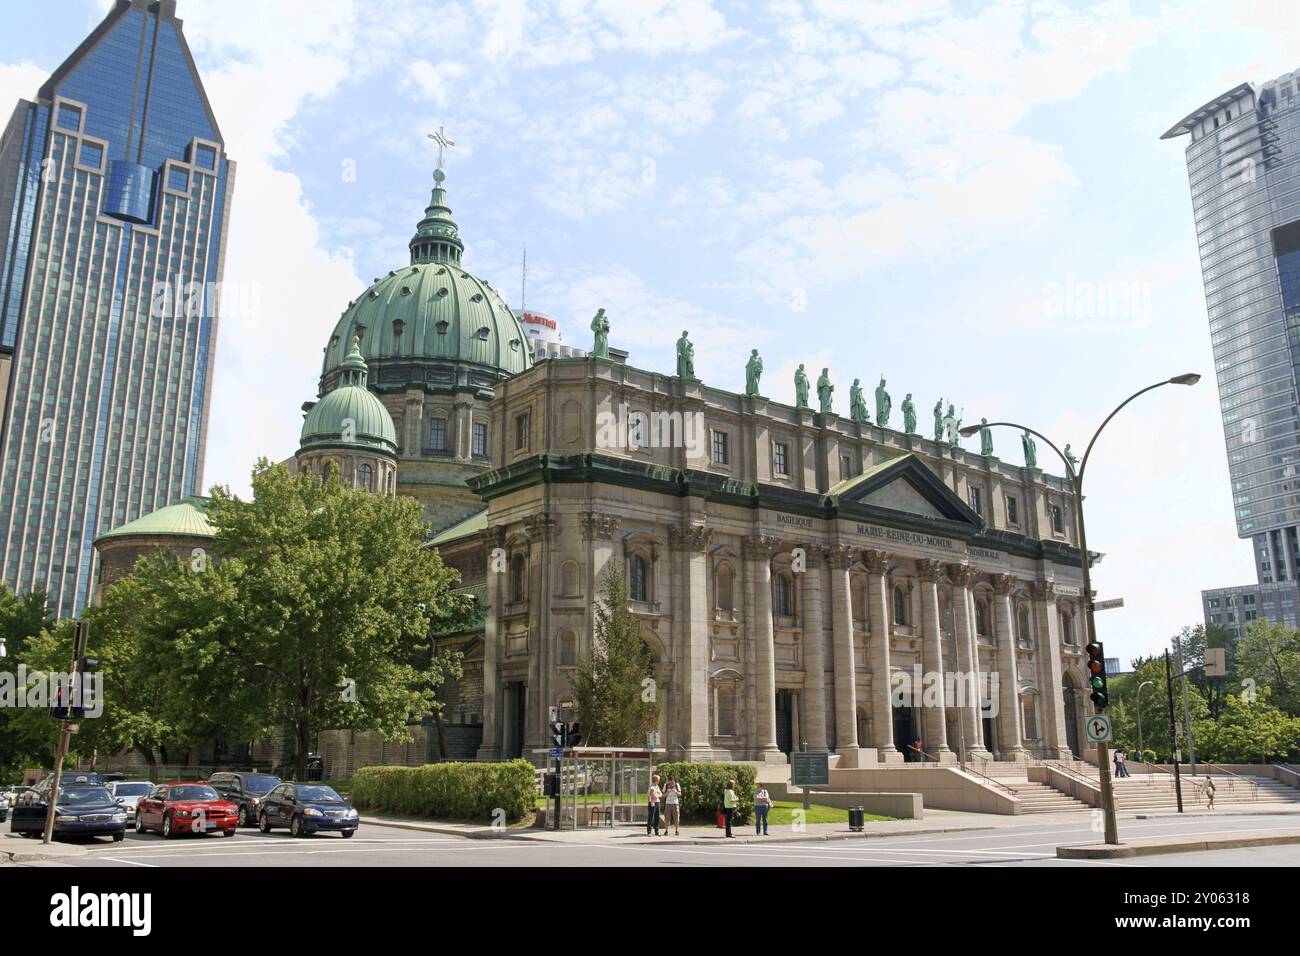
431	324
187	518
351	416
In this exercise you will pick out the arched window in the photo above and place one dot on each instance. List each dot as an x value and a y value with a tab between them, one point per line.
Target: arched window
1029	717
569	579
366	476
1066	619
983	624
783	594
568	648
1058	526
518	579
900	605
724	587
639	583
1023	632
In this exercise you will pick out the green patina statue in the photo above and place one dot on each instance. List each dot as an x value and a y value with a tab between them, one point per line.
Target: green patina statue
685	357
824	391
857	403
801	388
753	372
1031	451
909	415
1069	456
882	404
986	438
938	420
952	426
600	325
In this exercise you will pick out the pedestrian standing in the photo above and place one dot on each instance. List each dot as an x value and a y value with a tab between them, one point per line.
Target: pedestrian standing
653	796
1209	792
673	805
762	806
1119	762
729	803
1123	762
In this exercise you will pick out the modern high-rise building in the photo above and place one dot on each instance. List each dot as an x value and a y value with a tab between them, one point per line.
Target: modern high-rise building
1244	165
114	196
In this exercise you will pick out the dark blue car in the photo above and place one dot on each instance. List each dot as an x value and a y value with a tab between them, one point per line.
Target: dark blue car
81	811
306	808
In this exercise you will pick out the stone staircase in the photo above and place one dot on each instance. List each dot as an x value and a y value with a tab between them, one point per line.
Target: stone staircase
1034	797
1155	791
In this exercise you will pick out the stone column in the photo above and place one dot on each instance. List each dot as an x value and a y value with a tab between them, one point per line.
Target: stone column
1055	741
598	530
839	557
878	650
962	577
758	556
814	654
540	529
1010	739
689	544
933	703
494	577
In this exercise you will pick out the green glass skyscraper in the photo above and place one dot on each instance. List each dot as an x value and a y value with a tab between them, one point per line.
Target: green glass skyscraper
114	195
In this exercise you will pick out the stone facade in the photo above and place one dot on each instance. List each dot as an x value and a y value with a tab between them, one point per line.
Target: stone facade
802	580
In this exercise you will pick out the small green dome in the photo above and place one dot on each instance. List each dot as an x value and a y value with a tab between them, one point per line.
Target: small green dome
351	416
431	324
187	518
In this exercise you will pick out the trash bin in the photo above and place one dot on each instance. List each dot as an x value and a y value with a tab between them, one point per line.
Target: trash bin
857	818
315	767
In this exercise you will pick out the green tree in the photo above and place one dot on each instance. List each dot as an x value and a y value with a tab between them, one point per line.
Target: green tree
1248	730
26	739
1193	642
1268	657
614	687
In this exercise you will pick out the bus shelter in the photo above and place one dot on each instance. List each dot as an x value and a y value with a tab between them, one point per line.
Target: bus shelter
603	786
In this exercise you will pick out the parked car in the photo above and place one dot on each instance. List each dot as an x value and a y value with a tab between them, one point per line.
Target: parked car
307	808
175	808
128	793
4	808
71	778
80	811
246	790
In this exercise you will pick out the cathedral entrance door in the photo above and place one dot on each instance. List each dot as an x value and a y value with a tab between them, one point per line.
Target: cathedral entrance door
784	721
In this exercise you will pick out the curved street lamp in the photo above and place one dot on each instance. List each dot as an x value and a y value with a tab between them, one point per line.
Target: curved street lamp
1076	482
1142	752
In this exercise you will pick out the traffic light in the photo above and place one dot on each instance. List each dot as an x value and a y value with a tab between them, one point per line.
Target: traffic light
559	731
59	706
86	666
574	734
1097	675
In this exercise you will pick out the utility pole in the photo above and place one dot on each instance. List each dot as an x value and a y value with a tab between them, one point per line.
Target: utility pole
1187	710
1173	730
61	749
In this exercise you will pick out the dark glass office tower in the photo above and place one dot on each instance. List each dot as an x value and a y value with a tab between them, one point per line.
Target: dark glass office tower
114	196
1243	162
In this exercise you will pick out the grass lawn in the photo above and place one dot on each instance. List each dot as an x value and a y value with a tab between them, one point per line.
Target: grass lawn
782	813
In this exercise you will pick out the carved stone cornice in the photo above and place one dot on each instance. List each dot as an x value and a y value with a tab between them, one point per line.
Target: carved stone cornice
540	527
961	575
840	556
1043	590
877	562
597	525
1002	583
928	569
758	546
689	537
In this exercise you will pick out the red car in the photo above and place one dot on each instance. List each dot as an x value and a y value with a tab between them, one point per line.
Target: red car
173	808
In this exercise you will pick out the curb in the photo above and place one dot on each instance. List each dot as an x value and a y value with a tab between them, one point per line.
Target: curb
32	856
483	833
1101	851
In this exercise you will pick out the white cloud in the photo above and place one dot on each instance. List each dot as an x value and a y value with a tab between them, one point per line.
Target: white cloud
18	81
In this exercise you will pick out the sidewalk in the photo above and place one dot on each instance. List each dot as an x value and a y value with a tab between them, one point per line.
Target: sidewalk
16	849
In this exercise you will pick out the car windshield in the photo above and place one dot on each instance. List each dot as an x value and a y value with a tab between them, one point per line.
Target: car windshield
83	797
260	783
318	795
193	793
132	789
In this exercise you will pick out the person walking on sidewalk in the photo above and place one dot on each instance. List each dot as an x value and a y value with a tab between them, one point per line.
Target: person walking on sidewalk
1209	792
653	796
762	806
673	805
729	803
1120	770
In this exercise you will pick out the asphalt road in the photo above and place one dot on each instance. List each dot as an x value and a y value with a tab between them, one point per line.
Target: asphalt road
1030	844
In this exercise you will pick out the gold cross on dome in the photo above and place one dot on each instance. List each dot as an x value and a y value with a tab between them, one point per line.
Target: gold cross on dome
443	142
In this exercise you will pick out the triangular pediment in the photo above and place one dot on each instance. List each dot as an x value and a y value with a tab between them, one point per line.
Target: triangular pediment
905	486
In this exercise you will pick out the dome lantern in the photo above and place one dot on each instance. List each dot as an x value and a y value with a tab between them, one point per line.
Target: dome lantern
437	238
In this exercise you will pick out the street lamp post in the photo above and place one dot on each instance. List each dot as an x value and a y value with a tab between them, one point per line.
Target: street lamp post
1076	482
1141	749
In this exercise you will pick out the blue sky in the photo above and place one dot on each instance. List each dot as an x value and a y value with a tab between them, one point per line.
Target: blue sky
970	198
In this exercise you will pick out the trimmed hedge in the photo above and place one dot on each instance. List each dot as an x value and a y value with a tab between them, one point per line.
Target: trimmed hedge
448	791
702	786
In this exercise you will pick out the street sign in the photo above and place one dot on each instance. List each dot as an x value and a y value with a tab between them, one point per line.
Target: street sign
1098	728
556	752
1108	605
1216	661
810	769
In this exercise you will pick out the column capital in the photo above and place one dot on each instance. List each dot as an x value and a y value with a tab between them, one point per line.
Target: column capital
839	556
1002	583
689	537
877	562
961	575
541	527
929	570
758	546
597	525
1043	590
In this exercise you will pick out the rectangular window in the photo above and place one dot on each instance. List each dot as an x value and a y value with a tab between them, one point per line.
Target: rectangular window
69	118
205	157
480	439
780	458
178	179
1013	510
846	466
92	154
720	451
438	435
521	431
976	500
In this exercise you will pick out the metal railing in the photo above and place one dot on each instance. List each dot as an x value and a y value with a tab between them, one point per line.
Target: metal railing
983	776
1234	778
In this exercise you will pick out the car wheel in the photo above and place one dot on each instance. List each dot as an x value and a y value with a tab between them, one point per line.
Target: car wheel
243	816
139	824
228	833
167	830
348	834
263	823
295	826
119	836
